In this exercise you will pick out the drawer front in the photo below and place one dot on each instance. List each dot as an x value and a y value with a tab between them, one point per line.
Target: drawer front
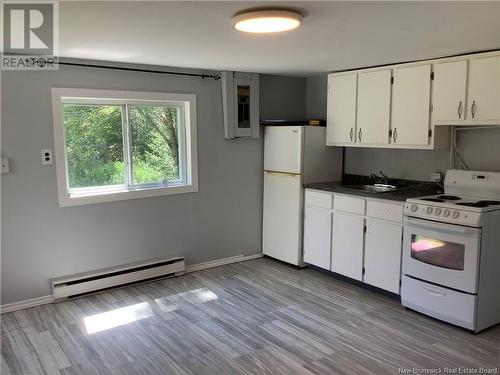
385	211
314	198
349	204
441	303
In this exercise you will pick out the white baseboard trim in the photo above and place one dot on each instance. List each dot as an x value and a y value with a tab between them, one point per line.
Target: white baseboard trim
221	262
14	306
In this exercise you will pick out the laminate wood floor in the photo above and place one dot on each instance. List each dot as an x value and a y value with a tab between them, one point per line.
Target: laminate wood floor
255	317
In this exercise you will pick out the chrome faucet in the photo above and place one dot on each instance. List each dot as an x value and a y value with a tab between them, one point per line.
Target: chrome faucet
385	177
382	178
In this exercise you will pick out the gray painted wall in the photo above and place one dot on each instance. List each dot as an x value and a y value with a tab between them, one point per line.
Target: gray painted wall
282	98
406	164
41	241
479	148
316	96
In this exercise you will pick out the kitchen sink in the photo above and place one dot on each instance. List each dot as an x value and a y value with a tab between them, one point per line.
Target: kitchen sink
375	188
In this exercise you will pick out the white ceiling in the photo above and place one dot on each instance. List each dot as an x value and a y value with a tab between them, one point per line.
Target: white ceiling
334	35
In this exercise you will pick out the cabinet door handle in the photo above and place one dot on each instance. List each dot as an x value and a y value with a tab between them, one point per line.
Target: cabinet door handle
473	109
460	110
359	135
351	134
395	135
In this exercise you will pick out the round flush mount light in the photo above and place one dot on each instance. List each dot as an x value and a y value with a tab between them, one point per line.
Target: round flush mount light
267	21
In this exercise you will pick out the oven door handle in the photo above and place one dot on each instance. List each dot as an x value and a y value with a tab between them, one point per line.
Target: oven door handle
435	292
450	228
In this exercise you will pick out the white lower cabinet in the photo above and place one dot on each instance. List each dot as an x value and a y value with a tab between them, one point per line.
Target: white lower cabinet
348	241
347	244
382	260
317	236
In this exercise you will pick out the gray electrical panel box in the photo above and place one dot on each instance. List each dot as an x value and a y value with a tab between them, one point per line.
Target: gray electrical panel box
240	104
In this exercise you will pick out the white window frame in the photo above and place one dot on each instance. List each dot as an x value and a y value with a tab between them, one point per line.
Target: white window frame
188	160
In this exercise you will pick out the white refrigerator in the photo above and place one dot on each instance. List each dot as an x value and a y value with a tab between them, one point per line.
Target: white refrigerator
293	156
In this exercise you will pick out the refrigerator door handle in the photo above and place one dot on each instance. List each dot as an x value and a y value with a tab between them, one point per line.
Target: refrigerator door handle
282	173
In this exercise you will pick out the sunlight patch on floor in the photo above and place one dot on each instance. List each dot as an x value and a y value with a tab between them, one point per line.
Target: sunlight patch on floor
172	303
118	317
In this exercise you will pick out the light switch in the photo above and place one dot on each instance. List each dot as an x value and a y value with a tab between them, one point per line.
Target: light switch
5	165
47	157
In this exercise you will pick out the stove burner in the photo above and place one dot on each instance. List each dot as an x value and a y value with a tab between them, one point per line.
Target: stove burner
433	199
489	203
480	204
449	197
470	204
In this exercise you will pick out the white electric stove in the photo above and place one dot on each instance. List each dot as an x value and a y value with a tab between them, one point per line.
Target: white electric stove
451	251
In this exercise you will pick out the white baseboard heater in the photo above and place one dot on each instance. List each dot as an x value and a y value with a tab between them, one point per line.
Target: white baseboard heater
73	286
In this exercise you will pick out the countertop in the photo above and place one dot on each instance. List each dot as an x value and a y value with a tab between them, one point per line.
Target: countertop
406	189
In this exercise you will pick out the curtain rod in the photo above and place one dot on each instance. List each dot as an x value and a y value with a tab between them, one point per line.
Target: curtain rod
215	77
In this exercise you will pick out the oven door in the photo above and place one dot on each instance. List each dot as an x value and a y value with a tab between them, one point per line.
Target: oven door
444	254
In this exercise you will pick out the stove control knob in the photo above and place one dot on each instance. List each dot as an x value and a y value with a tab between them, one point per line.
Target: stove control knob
456	214
446	213
413	208
437	211
429	210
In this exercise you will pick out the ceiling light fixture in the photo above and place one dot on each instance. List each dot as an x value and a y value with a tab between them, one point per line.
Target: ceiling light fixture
267	21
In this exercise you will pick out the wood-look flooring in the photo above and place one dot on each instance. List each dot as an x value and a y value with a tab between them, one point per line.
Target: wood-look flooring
255	317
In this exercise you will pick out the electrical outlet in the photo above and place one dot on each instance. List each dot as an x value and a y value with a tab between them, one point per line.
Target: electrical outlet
436	176
5	165
47	157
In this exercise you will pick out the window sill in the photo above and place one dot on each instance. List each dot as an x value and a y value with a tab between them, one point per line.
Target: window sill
66	200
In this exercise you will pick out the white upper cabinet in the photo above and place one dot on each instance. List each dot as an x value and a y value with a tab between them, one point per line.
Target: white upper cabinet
483	99
411	105
374	107
341	116
449	90
366	110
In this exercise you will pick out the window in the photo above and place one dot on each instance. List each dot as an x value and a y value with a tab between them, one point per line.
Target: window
115	145
438	253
